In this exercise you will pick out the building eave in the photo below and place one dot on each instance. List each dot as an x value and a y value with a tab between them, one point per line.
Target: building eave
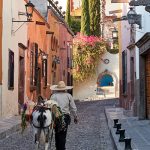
61	20
131	46
143	40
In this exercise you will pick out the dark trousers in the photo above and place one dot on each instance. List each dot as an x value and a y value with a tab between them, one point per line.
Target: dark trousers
60	136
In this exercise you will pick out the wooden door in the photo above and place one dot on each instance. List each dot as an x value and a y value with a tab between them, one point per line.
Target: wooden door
147	73
21	81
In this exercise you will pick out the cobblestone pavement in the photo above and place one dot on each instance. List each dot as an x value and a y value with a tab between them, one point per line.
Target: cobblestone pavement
91	133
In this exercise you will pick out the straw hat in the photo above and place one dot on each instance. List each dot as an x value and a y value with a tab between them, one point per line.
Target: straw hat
61	86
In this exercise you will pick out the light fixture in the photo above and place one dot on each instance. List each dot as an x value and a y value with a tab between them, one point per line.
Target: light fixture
42	54
56	59
114	34
29	13
134	18
29	10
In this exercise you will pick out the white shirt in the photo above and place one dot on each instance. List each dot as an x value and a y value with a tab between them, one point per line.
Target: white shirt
65	102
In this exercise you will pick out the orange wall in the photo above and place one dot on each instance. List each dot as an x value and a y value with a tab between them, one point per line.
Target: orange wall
54	27
1	41
61	33
37	34
51	44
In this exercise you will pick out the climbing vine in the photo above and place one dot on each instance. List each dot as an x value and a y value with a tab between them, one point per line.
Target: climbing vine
87	52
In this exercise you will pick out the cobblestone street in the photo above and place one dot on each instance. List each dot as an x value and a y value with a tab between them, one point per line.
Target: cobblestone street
90	134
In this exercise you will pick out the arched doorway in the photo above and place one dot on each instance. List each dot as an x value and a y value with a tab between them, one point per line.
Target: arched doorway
106	80
107	83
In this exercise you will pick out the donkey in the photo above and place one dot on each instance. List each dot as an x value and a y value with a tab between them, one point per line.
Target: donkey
42	121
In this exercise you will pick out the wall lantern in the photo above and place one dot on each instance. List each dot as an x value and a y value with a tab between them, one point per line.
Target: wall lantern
56	59
114	34
29	10
134	18
44	56
29	13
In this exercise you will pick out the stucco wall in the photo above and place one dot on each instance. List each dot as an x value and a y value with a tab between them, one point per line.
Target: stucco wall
141	32
10	41
87	88
1	8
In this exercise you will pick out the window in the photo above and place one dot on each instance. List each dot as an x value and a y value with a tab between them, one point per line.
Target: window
68	62
11	70
124	72
44	71
36	65
31	68
52	43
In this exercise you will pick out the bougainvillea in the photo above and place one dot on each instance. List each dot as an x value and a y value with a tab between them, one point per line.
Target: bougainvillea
87	52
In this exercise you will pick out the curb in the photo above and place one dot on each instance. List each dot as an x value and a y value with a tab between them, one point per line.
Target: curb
113	141
112	132
9	126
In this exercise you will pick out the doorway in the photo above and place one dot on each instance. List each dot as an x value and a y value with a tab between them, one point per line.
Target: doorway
147	77
21	82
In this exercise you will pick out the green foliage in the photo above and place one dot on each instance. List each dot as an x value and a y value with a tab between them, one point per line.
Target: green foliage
86	54
75	25
94	9
85	18
67	17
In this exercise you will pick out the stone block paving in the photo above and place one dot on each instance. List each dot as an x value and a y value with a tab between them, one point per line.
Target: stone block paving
91	133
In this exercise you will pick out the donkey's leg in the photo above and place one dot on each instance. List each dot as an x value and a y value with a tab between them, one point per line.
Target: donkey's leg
46	133
37	137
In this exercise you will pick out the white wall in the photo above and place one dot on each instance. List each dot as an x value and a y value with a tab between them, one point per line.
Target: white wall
10	41
113	65
141	32
87	88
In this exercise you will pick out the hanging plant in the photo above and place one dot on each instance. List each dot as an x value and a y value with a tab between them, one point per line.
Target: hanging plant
86	54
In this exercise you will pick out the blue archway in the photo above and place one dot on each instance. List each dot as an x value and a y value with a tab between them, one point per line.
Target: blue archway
106	80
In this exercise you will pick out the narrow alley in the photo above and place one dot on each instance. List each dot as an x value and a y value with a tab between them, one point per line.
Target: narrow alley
91	133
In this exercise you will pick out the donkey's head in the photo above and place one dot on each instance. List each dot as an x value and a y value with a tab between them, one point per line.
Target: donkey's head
41	117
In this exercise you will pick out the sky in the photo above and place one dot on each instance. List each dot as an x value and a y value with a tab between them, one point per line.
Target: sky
62	3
